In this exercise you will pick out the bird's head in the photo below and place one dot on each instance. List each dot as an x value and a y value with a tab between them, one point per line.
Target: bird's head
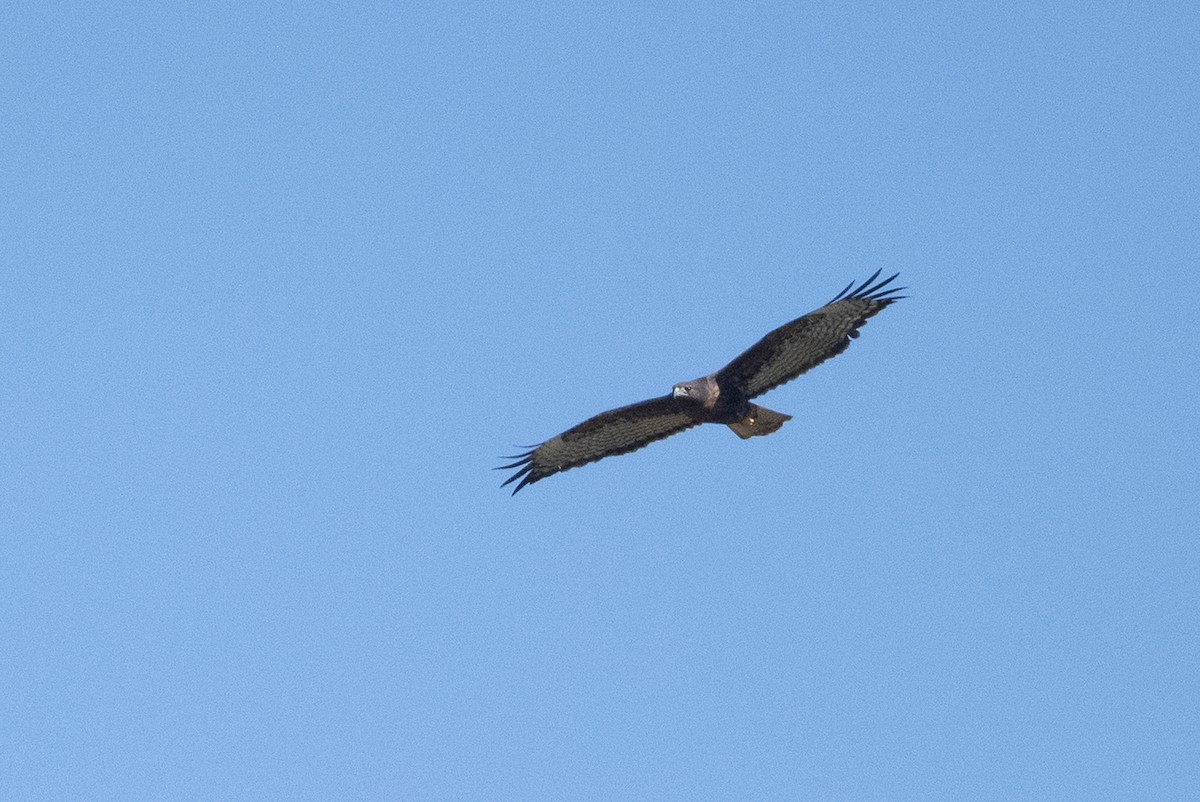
703	391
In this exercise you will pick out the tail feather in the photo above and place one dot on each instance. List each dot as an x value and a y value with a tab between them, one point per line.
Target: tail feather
760	421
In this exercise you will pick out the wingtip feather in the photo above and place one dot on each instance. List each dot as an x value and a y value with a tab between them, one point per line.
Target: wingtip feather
870	289
841	294
523	472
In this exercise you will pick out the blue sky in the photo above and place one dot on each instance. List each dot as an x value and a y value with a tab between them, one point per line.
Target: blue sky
281	282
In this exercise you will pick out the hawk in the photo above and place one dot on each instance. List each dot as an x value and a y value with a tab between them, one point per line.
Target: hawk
721	397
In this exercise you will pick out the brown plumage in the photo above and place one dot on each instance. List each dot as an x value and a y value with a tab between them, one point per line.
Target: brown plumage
722	397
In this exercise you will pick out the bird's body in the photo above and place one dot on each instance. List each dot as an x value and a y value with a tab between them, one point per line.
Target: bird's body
722	397
730	407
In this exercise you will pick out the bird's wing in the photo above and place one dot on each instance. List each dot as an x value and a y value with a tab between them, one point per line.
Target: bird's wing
617	431
796	347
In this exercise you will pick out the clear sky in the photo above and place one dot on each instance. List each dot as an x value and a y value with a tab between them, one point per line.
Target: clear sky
280	282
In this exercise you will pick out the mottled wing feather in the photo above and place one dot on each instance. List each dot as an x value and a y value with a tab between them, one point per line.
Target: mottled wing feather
617	431
804	343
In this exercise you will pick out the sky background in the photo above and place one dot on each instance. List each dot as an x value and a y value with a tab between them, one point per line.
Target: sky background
280	282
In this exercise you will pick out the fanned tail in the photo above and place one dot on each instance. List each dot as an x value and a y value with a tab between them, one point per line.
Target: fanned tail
760	421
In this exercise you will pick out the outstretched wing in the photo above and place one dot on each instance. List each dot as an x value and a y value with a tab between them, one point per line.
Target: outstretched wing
617	431
796	347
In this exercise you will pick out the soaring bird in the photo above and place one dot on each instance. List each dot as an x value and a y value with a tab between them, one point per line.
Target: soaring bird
721	397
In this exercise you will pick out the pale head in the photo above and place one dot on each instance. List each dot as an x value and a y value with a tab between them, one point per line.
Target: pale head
703	391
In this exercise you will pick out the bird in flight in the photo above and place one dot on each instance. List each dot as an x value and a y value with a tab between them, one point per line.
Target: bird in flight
721	397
